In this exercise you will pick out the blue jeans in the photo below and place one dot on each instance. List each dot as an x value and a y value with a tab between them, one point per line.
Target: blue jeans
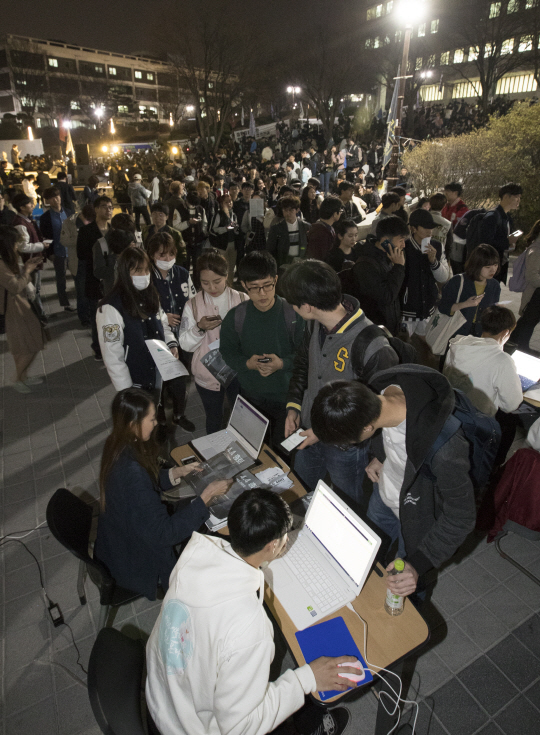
346	469
325	181
383	517
83	304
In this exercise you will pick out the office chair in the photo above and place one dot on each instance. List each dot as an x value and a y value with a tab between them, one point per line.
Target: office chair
69	519
115	685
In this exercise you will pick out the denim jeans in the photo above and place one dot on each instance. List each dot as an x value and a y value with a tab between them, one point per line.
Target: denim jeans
383	517
346	469
83	304
325	181
212	401
60	265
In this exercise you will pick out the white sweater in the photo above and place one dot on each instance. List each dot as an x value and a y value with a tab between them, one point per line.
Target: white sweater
209	654
479	367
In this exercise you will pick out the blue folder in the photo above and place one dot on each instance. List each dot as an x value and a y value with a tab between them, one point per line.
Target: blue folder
331	638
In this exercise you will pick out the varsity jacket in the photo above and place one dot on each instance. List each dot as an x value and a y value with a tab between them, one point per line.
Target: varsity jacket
437	507
324	357
419	292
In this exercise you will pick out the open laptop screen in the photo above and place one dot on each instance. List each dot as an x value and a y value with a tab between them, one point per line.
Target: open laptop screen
249	423
528	368
349	543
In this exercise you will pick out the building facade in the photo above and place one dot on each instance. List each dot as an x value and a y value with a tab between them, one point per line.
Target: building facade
54	82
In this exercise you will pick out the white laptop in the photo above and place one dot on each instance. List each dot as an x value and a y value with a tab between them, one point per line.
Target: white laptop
528	369
247	426
326	563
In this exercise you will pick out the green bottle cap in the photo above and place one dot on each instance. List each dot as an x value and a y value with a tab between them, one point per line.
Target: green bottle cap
399	565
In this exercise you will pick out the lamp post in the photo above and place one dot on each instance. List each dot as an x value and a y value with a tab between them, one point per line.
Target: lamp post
408	12
293	91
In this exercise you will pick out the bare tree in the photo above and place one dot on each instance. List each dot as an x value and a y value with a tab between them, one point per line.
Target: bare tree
29	78
485	35
214	69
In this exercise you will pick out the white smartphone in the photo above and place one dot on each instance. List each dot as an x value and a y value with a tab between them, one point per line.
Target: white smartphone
293	441
190	459
517	233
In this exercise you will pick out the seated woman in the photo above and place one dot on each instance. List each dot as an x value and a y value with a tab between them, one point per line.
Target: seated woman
136	534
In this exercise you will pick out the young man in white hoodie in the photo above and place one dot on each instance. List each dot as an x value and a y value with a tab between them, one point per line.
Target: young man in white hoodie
209	654
480	368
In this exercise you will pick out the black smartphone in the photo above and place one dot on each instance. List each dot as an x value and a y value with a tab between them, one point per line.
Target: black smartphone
386	245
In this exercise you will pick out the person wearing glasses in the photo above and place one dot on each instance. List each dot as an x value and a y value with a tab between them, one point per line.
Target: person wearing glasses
87	237
260	346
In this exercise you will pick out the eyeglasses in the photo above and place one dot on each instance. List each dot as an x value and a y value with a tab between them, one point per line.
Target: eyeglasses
259	289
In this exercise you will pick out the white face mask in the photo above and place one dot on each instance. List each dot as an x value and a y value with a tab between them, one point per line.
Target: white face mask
165	265
141	282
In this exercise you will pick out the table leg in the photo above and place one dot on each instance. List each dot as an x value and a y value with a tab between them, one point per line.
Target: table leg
386	722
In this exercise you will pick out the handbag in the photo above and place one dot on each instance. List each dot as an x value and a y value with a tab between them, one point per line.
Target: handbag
441	327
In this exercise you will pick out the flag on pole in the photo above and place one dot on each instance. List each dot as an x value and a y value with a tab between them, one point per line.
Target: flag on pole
252	129
69	145
390	130
301	111
272	111
242	117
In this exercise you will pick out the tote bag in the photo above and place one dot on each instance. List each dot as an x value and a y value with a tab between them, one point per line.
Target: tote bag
441	327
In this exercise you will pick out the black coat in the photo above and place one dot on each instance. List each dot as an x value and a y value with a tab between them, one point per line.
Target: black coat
87	236
278	242
67	192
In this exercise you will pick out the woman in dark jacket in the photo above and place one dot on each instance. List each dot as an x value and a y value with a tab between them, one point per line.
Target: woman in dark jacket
480	289
174	286
308	205
136	534
223	232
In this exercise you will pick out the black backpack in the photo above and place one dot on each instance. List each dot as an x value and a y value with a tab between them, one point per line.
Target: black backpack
372	338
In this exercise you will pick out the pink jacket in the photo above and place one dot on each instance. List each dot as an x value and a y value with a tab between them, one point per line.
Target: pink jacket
191	338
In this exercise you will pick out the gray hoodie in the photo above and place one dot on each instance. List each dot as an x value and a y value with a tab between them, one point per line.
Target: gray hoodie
137	194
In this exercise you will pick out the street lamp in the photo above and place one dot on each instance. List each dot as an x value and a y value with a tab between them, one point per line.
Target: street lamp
104	148
293	91
115	149
408	12
98	112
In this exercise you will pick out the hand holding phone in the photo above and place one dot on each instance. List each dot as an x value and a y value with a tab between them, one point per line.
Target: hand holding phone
293	440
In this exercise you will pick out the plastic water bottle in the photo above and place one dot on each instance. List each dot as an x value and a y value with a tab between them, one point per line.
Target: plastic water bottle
394	603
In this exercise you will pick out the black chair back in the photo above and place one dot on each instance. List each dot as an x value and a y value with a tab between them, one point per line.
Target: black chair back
70	519
115	680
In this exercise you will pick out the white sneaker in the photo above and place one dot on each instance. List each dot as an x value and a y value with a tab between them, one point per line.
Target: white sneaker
34	380
21	387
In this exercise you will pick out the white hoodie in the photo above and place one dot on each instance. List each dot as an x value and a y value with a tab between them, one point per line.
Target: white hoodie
479	367
209	654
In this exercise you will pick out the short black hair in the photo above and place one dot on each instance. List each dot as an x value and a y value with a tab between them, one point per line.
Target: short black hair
399	190
388	199
329	206
312	282
391	227
342	410
497	319
512	190
343	225
454	186
314	181
247	185
159	207
482	256
256	518
61	175
98	201
256	265
345	186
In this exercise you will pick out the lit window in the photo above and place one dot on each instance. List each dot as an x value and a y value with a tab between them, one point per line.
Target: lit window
371	13
418	64
379	11
98	68
517	84
507	46
53	62
389	6
201	100
398	36
55	123
368	43
75	105
149	76
153	110
376	42
488	50
21	81
138	75
467	89
473	53
513	6
142	109
421	30
123	109
431	61
494	10
525	44
530	4
210	85
38	122
458	56
434	26
112	71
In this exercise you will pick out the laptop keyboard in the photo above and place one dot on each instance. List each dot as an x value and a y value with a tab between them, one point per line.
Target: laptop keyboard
318	584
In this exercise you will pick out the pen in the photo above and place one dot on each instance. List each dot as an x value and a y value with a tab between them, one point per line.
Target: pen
273	458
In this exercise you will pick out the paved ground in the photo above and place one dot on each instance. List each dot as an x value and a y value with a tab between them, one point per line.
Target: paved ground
480	673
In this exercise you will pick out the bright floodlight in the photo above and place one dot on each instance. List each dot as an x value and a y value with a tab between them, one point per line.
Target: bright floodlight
174	151
98	111
290	90
104	148
410	12
297	90
115	149
190	108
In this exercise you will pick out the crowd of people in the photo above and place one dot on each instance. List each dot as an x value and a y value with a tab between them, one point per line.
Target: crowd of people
255	254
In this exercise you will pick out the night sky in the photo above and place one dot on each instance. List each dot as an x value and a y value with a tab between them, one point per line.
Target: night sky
134	26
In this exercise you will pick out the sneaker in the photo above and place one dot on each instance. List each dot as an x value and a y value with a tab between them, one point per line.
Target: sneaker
98	357
334	722
34	380
184	423
69	308
21	387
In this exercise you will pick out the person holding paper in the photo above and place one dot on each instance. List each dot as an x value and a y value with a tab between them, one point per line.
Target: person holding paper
126	318
136	535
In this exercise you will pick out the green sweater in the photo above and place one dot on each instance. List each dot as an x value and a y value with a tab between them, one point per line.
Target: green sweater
264	332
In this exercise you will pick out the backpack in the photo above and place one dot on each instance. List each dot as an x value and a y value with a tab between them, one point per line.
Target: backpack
289	315
372	338
472	233
460	230
517	281
482	432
